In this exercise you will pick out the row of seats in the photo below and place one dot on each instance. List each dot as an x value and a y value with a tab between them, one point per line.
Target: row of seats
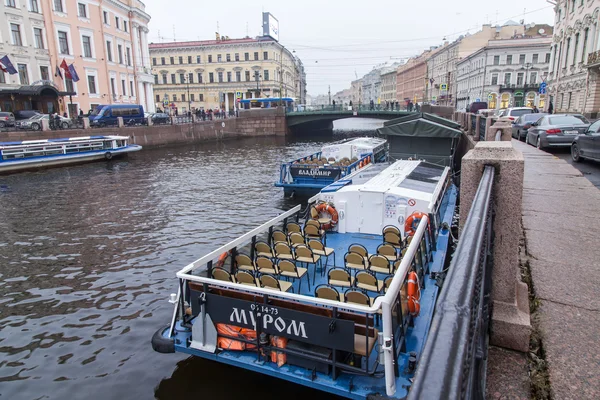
365	280
351	295
264	280
386	261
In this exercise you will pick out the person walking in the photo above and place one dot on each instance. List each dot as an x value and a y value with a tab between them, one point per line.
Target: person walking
550	108
535	110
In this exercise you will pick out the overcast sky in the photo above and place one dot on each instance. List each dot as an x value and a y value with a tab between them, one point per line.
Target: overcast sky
339	40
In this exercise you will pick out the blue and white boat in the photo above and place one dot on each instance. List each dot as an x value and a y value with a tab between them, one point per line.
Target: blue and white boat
308	175
34	154
341	301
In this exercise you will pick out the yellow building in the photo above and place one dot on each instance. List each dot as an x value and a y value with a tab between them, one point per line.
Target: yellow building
214	73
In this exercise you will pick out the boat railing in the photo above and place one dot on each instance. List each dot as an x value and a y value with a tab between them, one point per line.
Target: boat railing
454	359
390	307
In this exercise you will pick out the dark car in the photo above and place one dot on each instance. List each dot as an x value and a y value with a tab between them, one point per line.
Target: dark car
587	146
477	105
161	118
25	114
6	119
556	130
523	123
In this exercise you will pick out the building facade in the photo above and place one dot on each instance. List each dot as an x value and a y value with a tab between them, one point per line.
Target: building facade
411	78
574	72
356	89
505	73
388	86
214	73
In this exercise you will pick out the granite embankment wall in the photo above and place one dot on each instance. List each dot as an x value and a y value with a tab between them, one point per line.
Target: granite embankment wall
249	124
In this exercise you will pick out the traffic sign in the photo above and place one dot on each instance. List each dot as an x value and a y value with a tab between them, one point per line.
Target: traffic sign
238	95
543	87
490	97
478	100
444	86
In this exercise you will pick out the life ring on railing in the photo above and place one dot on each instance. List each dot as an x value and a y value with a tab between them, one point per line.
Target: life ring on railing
325	208
410	226
413	294
222	258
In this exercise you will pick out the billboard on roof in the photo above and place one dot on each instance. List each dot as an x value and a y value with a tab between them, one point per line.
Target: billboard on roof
270	26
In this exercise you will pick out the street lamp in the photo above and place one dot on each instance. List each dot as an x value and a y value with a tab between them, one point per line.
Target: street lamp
186	80
257	76
526	67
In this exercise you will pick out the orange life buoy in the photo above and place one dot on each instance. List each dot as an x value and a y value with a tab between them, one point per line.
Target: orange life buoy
410	226
222	258
414	294
326	208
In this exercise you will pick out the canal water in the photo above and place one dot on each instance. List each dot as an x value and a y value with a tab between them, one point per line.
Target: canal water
88	256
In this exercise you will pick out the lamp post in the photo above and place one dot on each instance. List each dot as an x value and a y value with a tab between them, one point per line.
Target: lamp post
257	77
526	67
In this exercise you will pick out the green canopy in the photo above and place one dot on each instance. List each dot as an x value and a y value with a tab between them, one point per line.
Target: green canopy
422	125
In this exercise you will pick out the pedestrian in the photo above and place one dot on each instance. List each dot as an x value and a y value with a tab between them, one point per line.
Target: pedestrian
333	102
417	107
535	109
80	112
550	107
176	112
350	103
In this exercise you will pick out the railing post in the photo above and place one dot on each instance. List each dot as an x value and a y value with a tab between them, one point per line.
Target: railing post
503	125
510	320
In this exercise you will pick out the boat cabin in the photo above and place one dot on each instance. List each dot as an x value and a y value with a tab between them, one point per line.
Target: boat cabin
55	147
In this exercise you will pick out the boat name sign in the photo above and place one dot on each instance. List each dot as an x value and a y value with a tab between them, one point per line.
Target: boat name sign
279	321
315	172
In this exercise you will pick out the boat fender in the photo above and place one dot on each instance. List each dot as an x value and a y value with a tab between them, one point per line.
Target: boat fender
162	344
414	294
326	208
410	226
108	155
222	258
360	165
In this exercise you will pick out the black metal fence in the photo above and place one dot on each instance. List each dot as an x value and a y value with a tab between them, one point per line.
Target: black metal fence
473	123
481	128
454	360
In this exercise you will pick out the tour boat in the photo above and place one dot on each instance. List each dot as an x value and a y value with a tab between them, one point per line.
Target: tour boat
33	154
308	175
339	298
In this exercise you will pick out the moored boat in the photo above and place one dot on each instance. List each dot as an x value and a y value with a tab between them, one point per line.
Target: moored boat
308	175
339	298
34	154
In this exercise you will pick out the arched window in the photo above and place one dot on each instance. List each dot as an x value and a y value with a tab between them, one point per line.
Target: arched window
505	100
493	99
530	100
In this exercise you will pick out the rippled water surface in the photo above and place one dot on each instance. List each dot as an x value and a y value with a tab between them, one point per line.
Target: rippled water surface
88	256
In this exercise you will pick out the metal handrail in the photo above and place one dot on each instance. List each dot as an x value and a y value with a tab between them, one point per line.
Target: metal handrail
453	362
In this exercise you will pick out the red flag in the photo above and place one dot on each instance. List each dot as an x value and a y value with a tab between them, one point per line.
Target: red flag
65	67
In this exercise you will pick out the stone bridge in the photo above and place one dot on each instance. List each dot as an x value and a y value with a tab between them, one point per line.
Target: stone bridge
322	119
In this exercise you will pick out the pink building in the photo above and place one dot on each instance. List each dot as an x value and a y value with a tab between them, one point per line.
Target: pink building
106	41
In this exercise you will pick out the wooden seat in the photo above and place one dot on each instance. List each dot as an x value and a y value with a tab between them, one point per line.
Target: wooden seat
245	278
360	344
244	263
359	249
278	237
387	282
222	275
319	248
354	261
296	239
340	277
390	228
289	270
357	297
268	281
313	232
293	227
393	239
380	264
329	293
388	251
367	281
283	251
262	249
264	265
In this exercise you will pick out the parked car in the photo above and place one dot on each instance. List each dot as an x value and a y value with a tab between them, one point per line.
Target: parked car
556	130
587	146
523	123
35	123
105	115
477	105
515	112
160	118
25	114
7	119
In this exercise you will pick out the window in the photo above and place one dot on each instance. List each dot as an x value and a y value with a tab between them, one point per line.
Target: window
237	56
265	55
112	86
33	6
199	77
494	79
201	97
11	3
534	59
507	78
572	5
120	53
117	22
38	35
191	77
210	58
220	75
82	10
44	73
198	59
154	61
128	54
58	6
92	84
520	79
509	59
158	98
567	52
247	76
2	78
125	26
156	79
172	59
87	46
23	75
174	97
164	79
131	91
522	59
192	98
105	17
576	43
547	58
219	58
123	86
162	61
63	42
69	85
173	81
16	34
496	60
109	50
183	97
585	41
180	60
533	77
256	55
189	59
246	56
238	76
228	57
228	76
181	78
211	77
266	75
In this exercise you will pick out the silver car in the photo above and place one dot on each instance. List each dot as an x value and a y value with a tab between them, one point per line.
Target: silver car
556	130
587	146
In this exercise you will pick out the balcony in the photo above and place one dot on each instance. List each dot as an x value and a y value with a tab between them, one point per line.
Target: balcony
593	59
519	86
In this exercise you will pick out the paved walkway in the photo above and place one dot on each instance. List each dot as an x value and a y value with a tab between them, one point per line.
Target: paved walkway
561	220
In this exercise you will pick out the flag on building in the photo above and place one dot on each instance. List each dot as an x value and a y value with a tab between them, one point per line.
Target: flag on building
58	73
65	68
73	73
7	66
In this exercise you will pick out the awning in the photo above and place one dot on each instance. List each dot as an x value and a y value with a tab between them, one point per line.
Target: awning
35	90
421	125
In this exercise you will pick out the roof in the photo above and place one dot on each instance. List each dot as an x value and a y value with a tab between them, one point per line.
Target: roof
35	90
200	43
422	125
